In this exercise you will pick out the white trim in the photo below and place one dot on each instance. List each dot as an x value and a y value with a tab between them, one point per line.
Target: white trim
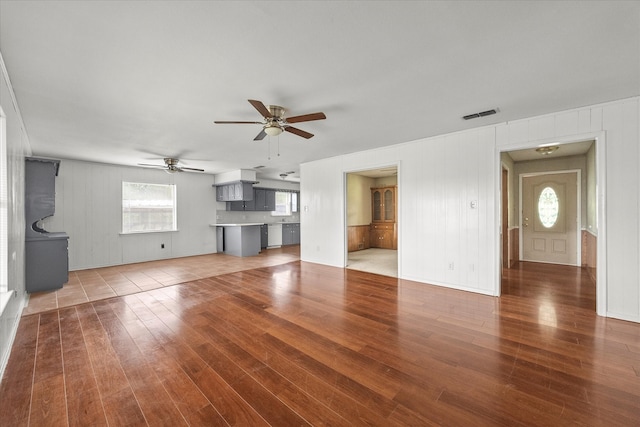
12	336
345	236
601	221
578	173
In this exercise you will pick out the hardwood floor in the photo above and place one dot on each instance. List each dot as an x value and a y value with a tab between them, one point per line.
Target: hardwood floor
306	344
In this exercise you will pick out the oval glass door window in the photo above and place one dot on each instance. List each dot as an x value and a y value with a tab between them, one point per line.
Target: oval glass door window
548	206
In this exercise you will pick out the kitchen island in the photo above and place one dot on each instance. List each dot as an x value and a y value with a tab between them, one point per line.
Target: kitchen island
238	239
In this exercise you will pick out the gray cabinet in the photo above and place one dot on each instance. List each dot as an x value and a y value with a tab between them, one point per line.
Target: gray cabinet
240	205
234	191
291	234
264	236
46	254
265	199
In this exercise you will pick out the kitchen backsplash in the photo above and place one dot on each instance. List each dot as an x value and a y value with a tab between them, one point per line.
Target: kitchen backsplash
234	217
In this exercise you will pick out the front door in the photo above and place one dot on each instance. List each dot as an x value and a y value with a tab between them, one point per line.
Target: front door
549	221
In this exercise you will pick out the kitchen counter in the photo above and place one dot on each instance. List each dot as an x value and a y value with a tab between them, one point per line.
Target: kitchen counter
238	239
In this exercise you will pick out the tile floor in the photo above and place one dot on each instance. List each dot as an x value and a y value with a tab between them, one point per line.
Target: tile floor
101	283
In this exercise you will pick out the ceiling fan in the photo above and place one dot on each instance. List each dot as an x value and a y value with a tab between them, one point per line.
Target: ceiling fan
274	122
171	166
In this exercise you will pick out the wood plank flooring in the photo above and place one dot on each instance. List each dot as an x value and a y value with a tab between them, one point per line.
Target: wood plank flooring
306	344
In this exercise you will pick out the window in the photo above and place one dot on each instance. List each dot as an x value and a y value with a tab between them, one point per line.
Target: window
148	208
548	206
283	204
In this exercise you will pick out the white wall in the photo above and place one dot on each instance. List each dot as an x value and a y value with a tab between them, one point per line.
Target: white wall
17	147
439	177
89	209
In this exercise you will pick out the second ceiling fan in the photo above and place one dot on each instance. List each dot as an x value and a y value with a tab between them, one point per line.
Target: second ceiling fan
274	122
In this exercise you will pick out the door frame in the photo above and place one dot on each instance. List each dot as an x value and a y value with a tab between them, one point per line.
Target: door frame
578	173
345	237
601	204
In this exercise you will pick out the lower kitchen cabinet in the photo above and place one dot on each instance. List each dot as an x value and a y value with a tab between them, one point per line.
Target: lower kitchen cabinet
291	234
264	236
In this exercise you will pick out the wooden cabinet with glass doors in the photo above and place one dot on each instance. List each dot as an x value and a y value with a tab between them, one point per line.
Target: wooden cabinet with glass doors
383	232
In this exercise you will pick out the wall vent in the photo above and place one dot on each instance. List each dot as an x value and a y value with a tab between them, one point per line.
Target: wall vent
481	114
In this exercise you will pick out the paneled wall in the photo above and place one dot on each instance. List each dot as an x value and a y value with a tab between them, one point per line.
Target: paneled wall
442	239
16	147
89	209
445	241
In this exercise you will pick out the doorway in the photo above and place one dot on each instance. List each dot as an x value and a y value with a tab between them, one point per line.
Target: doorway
571	238
372	221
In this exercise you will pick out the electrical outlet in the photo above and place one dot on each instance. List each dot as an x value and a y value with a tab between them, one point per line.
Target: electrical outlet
161	245
451	266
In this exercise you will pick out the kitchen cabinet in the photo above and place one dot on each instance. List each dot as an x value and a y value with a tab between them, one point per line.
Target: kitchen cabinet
234	191
265	199
291	234
239	239
240	205
264	236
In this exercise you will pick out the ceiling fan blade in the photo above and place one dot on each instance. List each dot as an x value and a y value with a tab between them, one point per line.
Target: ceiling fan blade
306	118
261	109
192	169
222	122
152	166
298	132
260	136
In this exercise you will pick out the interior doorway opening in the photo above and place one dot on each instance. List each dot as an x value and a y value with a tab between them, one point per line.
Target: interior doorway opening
372	221
517	246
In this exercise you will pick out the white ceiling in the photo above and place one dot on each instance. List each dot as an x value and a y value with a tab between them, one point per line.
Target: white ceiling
132	82
563	150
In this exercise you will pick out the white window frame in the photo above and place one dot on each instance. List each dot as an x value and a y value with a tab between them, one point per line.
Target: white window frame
286	205
174	209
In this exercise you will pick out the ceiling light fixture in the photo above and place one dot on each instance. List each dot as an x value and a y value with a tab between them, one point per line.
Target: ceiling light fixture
272	130
545	151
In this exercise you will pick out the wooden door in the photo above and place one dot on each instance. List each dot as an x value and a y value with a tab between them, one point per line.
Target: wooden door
550	218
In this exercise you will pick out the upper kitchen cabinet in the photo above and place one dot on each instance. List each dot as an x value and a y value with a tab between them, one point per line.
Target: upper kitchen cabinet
383	204
234	191
265	199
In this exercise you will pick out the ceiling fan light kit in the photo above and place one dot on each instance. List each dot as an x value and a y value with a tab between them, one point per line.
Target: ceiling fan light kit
171	166
273	130
274	121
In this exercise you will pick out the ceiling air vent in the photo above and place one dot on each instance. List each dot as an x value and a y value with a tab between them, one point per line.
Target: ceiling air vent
481	114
